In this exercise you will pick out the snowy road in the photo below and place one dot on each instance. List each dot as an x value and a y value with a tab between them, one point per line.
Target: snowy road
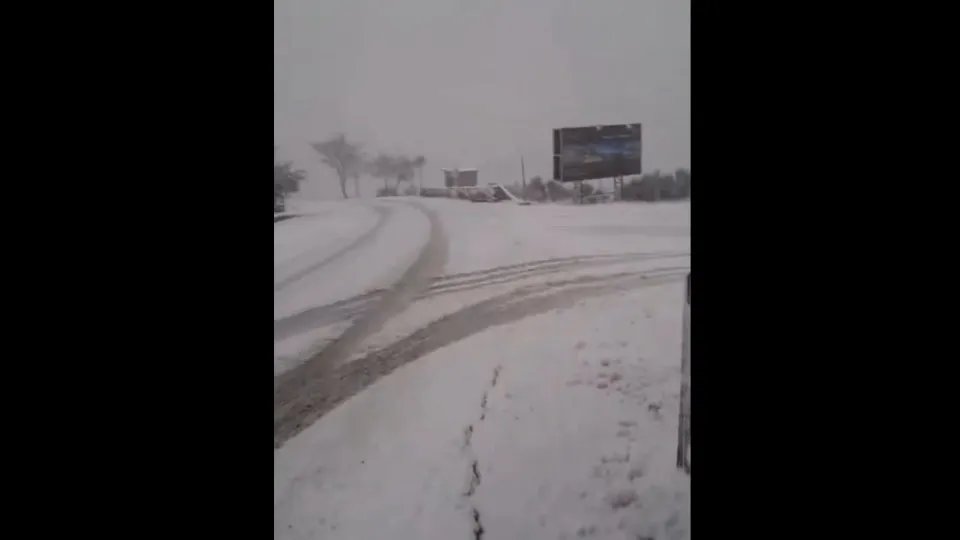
509	369
335	254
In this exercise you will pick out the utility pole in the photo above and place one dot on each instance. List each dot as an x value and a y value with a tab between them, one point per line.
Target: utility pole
523	179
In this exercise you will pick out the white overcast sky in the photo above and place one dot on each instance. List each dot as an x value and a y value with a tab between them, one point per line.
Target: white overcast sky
478	83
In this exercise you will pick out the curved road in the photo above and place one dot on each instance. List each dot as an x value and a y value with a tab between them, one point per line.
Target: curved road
289	386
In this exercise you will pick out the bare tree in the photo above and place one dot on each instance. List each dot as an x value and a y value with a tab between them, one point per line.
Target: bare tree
389	167
382	167
403	170
344	157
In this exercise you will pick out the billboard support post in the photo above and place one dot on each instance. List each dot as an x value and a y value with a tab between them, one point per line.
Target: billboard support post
560	151
683	435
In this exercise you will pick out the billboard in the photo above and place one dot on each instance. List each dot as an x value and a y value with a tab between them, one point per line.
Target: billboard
584	153
459	177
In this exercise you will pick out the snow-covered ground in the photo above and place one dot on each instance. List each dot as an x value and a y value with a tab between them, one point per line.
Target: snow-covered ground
541	400
488	235
333	253
557	242
309	239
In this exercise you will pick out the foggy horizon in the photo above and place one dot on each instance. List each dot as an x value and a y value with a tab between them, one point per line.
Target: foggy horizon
477	84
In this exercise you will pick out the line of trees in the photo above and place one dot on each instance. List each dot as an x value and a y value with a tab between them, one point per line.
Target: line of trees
656	186
350	162
653	186
397	168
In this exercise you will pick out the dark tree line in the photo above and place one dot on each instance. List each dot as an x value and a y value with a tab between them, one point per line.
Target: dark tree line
286	179
658	187
652	186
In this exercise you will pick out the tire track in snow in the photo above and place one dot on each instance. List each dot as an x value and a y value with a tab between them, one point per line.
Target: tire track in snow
516	275
558	260
310	318
322	316
292	387
303	400
365	238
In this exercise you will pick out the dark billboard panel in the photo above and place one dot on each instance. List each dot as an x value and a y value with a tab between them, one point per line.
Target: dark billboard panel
459	177
592	152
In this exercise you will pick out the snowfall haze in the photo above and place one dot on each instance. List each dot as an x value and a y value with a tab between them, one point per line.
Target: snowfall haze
477	84
514	368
